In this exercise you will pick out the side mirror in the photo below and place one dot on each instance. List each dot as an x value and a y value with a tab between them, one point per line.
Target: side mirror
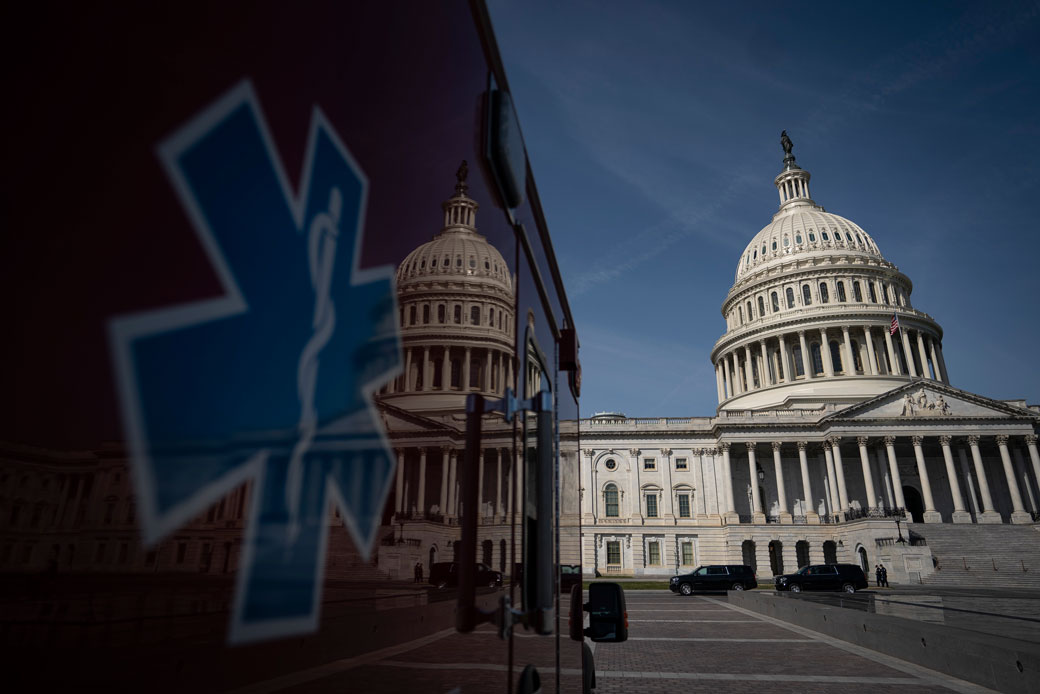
608	617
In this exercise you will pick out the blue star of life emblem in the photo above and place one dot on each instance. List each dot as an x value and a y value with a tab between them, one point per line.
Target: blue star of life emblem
270	383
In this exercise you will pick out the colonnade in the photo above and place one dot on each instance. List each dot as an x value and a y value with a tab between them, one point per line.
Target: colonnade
787	358
433	368
411	485
876	490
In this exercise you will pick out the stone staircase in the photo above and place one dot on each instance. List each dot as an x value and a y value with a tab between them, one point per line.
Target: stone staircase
983	555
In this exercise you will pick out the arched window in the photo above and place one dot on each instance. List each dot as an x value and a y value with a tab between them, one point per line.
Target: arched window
740	312
857	294
817	359
412	316
856	361
884	292
761	307
775	302
474	315
799	365
491	317
812	237
806	295
790	298
441	316
774	245
873	294
426	313
836	356
610	500
824	294
798	239
824	235
841	292
750	315
458	313
787	242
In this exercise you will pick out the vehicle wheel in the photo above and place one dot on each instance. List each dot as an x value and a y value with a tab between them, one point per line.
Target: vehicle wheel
686	589
848	588
795	588
738	586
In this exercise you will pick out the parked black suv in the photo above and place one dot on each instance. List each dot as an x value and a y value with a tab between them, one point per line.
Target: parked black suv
715	577
846	577
446	574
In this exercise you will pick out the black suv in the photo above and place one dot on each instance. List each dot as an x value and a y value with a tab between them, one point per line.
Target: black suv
446	574
715	577
846	577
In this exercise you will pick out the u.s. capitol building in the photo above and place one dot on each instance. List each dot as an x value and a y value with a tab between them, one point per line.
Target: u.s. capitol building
836	419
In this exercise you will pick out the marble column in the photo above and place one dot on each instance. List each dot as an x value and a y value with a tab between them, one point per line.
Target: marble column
399	487
781	492
885	475
731	373
498	484
839	470
1023	476
871	355
1019	514
443	502
730	512
422	482
465	370
850	366
907	352
989	514
894	368
785	361
453	477
718	382
807	366
1034	457
930	514
487	372
811	516
935	359
637	491
757	516
868	475
825	354
749	372
923	355
763	370
960	514
426	364
699	495
667	508
966	471
409	385
832	483
893	469
446	369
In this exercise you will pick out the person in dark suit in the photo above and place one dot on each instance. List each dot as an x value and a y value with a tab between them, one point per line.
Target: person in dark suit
877	574
884	576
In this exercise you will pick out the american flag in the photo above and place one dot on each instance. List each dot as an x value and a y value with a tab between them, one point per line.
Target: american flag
895	325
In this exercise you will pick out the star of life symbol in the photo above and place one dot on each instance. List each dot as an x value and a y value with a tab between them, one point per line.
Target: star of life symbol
270	383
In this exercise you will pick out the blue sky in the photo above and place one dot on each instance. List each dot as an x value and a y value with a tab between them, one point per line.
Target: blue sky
653	131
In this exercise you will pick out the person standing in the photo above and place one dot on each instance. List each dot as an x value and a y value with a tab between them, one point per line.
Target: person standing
877	574
884	576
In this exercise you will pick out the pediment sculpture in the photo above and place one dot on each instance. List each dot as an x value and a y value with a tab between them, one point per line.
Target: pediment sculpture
919	405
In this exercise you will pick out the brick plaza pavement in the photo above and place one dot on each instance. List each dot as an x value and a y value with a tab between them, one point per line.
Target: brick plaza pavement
676	644
703	644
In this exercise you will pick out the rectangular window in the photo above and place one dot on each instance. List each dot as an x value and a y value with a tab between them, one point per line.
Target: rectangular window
654	552
614	553
684	505
458	313
687	554
651	506
680	464
649	464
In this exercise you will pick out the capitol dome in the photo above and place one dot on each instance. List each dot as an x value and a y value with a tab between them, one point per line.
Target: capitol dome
816	314
456	301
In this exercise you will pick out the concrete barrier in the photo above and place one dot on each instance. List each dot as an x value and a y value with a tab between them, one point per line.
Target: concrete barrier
1003	664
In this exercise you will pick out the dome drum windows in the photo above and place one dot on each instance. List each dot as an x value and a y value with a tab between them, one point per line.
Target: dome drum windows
458	314
824	294
836	356
750	314
474	315
873	294
841	292
761	307
806	295
790	298
775	302
426	314
857	294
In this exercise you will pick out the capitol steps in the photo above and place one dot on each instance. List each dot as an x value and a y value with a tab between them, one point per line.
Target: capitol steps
983	555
